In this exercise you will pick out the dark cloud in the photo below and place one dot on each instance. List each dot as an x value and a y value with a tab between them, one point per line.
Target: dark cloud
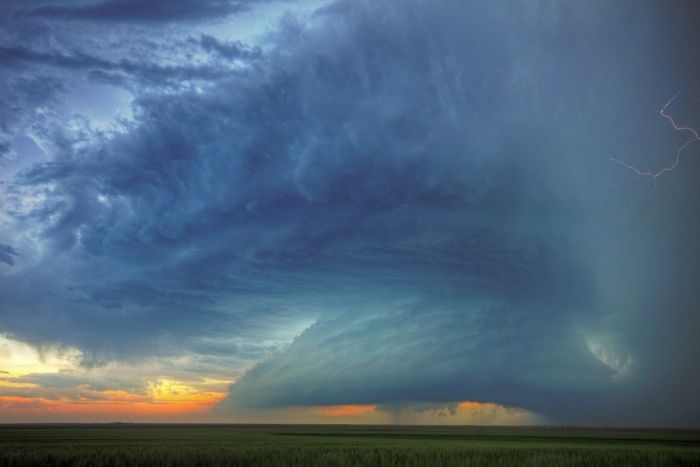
18	108
7	254
100	69
416	186
230	50
154	11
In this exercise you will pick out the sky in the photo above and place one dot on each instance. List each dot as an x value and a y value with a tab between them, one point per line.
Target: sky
350	211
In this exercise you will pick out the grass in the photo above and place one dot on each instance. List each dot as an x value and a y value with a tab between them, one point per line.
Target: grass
310	446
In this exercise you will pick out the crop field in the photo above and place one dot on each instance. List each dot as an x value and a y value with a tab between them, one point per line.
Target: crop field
309	446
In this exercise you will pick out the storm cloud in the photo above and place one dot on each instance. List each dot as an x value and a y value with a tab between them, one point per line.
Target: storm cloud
389	202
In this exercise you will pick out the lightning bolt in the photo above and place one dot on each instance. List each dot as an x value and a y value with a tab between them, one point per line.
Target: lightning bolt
677	127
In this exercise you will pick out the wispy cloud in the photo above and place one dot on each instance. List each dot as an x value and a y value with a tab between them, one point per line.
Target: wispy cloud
131	11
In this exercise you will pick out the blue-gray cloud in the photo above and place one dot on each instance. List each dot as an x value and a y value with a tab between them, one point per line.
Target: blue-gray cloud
7	254
428	185
106	70
227	49
132	11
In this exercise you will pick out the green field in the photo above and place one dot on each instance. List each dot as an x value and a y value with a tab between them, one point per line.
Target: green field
308	446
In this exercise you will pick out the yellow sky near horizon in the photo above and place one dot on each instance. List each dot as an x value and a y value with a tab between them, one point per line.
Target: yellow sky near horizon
50	385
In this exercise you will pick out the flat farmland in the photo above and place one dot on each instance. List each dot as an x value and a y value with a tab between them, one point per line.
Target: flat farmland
335	445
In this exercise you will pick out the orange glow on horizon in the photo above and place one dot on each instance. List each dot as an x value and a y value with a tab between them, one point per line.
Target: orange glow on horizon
465	405
344	410
117	406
